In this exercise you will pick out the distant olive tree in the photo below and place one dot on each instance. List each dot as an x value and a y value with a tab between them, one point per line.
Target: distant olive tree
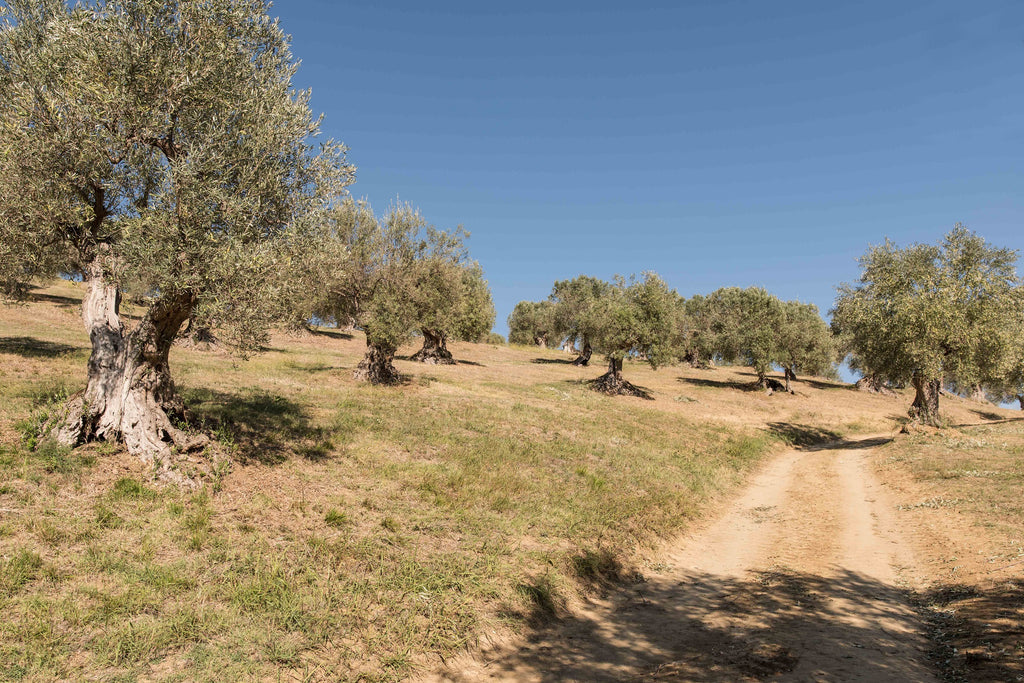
156	149
694	328
805	343
399	274
453	301
931	314
532	323
574	301
632	318
746	327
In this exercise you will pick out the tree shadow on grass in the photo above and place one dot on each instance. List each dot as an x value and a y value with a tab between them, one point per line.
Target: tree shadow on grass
261	427
697	626
333	334
977	633
55	299
552	361
803	436
30	347
987	415
720	383
459	361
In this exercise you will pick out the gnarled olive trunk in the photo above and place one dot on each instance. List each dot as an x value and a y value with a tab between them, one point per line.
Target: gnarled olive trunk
129	396
583	360
1020	400
377	366
541	341
925	408
435	349
612	383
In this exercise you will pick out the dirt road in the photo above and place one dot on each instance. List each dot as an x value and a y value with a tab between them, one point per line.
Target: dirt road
799	580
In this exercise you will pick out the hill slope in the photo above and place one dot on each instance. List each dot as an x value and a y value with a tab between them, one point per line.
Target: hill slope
351	530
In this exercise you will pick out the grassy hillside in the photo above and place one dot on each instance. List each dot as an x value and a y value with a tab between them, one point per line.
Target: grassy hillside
355	530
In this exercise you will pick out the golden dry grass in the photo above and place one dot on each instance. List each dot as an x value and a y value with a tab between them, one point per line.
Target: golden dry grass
358	531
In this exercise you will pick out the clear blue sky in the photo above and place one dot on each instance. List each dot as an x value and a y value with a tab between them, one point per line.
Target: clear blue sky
716	143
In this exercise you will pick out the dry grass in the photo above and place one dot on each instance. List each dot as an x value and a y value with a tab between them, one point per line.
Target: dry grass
357	532
961	490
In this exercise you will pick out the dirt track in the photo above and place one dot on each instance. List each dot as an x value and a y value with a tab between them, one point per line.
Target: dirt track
799	580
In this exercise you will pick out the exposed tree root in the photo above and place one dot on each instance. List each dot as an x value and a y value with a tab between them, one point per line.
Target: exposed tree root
613	385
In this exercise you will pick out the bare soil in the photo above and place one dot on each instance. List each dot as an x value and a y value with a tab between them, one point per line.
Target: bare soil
805	576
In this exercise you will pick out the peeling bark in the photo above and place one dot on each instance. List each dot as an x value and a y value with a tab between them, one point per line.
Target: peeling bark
129	396
612	382
435	349
583	360
377	366
925	408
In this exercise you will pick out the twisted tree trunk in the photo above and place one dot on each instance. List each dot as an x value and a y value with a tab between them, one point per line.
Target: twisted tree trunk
129	396
925	408
790	375
1020	400
612	382
583	360
435	349
377	366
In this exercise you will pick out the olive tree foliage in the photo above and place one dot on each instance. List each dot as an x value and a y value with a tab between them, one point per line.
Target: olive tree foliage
637	318
573	314
805	342
746	328
157	149
394	275
452	300
532	323
930	315
694	329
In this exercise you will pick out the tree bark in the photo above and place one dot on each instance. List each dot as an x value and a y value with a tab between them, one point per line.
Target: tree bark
925	408
435	349
612	383
790	375
541	341
1020	400
583	360
129	396
978	394
377	366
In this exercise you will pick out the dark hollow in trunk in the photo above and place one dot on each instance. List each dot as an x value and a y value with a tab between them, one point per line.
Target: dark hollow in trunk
435	349
583	360
377	366
613	384
925	408
129	396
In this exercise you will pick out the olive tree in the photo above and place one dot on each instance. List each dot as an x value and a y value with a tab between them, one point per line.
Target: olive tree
574	301
931	314
399	274
452	301
746	327
632	318
156	149
805	342
532	323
